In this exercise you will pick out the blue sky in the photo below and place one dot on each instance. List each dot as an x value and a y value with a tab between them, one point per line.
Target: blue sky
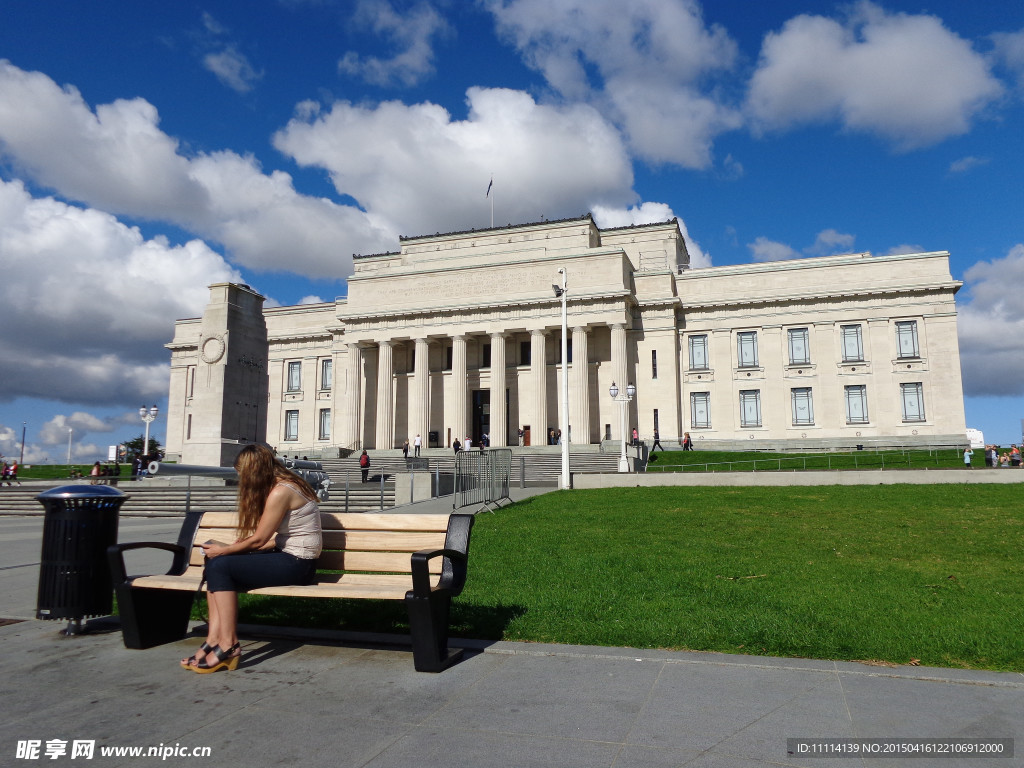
147	150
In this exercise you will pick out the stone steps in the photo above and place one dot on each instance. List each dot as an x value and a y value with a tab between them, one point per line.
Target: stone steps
540	466
152	500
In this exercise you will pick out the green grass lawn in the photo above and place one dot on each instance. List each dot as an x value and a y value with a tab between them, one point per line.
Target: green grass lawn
767	461
900	574
61	471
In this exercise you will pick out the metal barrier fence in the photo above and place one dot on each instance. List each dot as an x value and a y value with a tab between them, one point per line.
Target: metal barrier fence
482	477
310	471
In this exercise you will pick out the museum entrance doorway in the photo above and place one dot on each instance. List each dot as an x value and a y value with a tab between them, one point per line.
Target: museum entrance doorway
482	415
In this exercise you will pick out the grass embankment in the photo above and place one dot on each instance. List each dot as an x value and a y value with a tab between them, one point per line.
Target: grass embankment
768	461
62	471
923	574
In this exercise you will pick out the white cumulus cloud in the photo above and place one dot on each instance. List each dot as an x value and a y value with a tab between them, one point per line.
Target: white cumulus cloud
109	157
991	326
232	68
412	33
86	303
647	63
417	171
906	78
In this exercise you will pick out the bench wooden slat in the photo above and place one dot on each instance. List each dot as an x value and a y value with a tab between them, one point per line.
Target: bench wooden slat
355	585
383	541
391	562
337	560
347	521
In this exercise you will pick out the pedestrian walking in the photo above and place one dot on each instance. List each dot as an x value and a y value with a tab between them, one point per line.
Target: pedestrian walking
364	464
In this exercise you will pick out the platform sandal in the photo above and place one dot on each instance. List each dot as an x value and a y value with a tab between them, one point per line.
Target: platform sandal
225	659
194	659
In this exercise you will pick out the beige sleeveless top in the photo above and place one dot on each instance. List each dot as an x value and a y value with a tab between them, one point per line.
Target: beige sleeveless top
299	533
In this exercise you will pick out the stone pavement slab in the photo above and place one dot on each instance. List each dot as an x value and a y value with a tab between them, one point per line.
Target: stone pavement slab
331	699
355	701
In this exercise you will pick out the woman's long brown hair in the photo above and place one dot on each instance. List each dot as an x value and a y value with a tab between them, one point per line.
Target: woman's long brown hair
258	472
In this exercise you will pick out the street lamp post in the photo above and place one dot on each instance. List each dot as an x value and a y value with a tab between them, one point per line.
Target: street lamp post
563	423
148	416
70	430
623	400
21	459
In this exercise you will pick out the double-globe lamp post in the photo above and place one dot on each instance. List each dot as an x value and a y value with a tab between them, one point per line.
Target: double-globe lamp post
148	416
623	400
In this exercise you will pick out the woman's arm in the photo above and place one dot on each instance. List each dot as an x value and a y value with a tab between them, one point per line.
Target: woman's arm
277	506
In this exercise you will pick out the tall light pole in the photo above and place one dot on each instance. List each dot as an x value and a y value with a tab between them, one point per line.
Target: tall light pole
148	416
623	400
70	430
563	422
21	459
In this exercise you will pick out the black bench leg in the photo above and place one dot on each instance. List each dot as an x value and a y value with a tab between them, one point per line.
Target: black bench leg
428	621
152	617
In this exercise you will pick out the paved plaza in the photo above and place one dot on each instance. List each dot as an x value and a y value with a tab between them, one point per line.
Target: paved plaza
326	699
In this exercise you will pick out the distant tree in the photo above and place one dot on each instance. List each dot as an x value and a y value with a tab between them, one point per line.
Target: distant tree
133	447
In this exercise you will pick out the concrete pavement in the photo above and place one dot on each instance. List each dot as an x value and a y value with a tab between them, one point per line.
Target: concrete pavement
328	699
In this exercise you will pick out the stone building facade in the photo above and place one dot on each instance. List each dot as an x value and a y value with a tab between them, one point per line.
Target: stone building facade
459	335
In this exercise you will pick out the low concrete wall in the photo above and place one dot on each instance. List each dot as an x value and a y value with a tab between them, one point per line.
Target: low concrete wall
412	487
835	477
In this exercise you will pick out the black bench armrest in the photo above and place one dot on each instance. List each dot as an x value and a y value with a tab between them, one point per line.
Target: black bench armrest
181	549
453	571
115	558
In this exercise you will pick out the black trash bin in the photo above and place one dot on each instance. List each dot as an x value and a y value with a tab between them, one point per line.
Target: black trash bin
80	522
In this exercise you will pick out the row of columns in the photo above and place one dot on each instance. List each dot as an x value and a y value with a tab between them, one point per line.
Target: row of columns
419	397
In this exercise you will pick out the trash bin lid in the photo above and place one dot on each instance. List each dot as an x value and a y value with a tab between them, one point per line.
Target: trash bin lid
81	492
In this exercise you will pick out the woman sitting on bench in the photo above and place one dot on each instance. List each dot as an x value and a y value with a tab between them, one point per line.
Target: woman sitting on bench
278	542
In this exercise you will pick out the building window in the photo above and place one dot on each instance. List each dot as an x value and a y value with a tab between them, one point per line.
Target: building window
799	347
656	420
448	358
698	353
746	349
294	376
856	404
485	356
803	406
700	410
912	397
654	363
568	351
750	408
326	373
291	425
325	424
525	353
853	343
906	339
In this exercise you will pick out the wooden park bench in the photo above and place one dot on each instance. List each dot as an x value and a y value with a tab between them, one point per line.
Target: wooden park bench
420	559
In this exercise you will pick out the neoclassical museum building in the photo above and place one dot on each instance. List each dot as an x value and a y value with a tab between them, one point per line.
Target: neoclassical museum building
459	334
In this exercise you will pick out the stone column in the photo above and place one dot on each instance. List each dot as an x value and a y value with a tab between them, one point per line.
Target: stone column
459	409
419	397
352	437
620	373
539	375
385	396
499	432
579	388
